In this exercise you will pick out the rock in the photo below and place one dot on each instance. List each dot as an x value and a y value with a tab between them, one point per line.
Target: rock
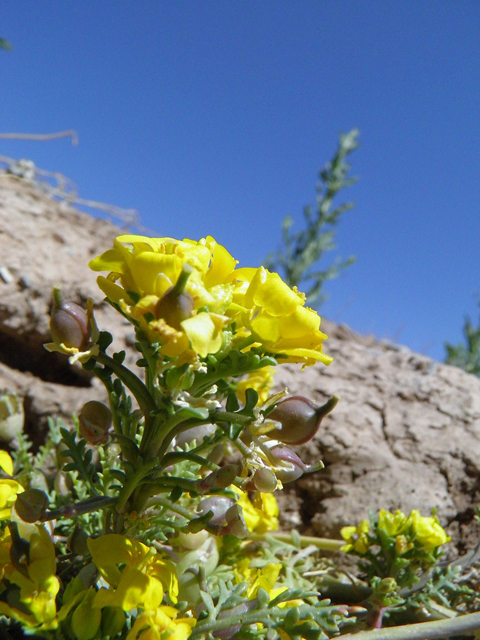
405	434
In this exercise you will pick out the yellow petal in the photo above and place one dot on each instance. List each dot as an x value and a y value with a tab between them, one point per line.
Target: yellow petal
302	321
221	266
6	463
204	332
268	291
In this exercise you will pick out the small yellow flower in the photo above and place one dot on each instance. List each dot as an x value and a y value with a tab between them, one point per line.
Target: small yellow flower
261	381
392	523
261	515
9	489
276	317
428	531
356	537
258	578
137	575
161	624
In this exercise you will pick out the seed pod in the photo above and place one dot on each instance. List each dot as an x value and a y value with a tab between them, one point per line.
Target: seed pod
176	305
69	325
95	419
300	419
31	505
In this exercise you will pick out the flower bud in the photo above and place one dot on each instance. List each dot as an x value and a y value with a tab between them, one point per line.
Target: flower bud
69	324
77	542
95	419
219	479
193	540
218	505
31	505
264	480
288	466
194	433
236	524
176	305
300	419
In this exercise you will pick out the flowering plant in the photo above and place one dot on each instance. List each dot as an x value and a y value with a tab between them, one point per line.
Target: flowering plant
156	517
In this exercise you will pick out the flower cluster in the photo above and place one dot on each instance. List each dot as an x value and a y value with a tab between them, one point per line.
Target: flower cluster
186	295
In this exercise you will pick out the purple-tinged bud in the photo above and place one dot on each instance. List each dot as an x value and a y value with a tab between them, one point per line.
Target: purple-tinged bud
300	419
218	505
176	305
95	419
69	324
31	505
288	466
264	480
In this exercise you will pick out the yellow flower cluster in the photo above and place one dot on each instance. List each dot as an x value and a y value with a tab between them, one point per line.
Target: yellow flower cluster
424	532
138	579
37	583
143	280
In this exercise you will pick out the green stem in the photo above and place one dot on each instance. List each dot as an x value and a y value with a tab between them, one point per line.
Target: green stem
326	544
136	386
80	508
167	504
243	344
178	456
132	483
423	630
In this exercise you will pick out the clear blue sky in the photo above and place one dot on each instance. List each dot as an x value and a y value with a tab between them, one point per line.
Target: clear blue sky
214	117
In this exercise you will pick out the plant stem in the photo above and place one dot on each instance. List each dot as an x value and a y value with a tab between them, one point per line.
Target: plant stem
177	456
326	544
461	625
72	510
166	504
136	386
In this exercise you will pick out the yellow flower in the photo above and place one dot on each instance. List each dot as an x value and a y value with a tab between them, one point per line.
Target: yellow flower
136	574
150	268
9	489
392	523
261	381
261	515
356	538
38	583
6	463
428	531
276	317
258	578
183	294
161	624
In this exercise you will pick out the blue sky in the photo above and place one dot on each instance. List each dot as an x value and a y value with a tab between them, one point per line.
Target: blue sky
214	117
